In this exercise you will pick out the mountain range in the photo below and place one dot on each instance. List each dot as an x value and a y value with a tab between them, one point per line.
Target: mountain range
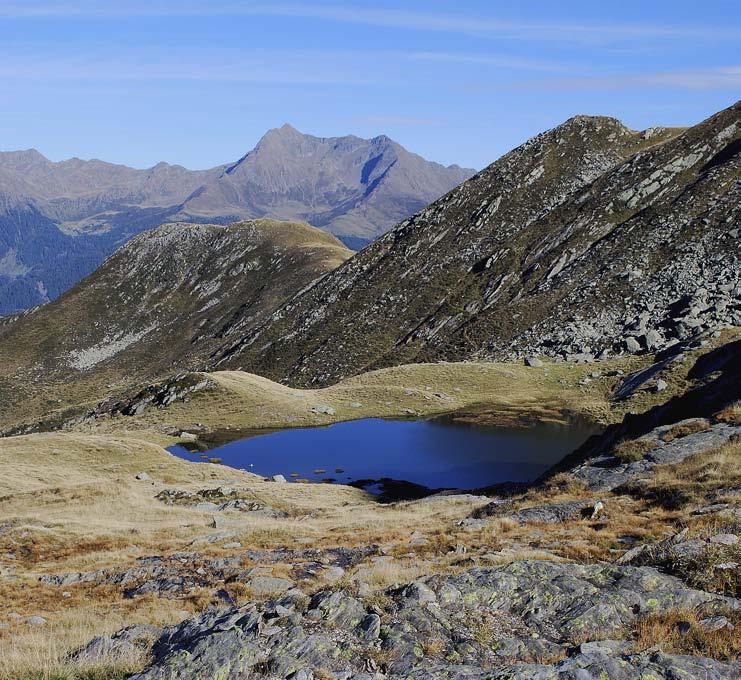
590	240
59	221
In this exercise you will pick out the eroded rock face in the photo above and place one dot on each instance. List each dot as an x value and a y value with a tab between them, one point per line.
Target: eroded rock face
587	240
501	620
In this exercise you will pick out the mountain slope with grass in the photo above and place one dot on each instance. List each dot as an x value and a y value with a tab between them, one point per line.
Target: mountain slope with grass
590	239
160	304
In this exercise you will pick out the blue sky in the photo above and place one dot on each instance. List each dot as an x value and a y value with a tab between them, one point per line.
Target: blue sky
198	83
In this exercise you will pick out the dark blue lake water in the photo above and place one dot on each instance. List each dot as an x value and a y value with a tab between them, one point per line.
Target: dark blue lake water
434	454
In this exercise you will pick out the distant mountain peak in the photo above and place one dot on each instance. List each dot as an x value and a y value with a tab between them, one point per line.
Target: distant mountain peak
23	157
285	132
348	186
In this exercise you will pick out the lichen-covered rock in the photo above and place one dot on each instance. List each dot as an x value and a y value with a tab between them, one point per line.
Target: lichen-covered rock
552	513
483	623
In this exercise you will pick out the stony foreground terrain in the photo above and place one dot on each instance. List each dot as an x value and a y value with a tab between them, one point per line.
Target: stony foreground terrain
119	559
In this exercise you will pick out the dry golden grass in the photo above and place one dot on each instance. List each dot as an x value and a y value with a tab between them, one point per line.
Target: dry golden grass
39	652
561	485
509	393
679	632
624	521
731	414
71	503
323	674
384	574
432	647
695	480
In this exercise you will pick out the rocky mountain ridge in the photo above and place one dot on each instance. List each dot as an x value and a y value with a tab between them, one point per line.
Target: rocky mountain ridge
58	221
159	304
589	240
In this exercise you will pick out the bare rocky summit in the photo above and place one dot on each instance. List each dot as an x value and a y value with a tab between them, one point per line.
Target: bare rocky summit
58	221
349	186
589	240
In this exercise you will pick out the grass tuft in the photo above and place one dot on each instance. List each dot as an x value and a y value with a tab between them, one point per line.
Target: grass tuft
684	429
680	632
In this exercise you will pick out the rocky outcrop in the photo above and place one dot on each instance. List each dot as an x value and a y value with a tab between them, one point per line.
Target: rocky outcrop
553	513
220	499
589	240
180	572
124	644
606	472
524	620
715	385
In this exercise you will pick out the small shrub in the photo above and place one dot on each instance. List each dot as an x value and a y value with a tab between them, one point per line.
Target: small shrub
672	496
563	484
323	674
631	450
684	429
701	571
432	646
483	633
239	592
731	414
199	599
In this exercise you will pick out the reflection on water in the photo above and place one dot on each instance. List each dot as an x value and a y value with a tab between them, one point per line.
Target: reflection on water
433	454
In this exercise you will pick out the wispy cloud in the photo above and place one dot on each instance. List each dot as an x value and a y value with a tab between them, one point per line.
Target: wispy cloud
25	60
725	78
495	60
257	66
381	17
